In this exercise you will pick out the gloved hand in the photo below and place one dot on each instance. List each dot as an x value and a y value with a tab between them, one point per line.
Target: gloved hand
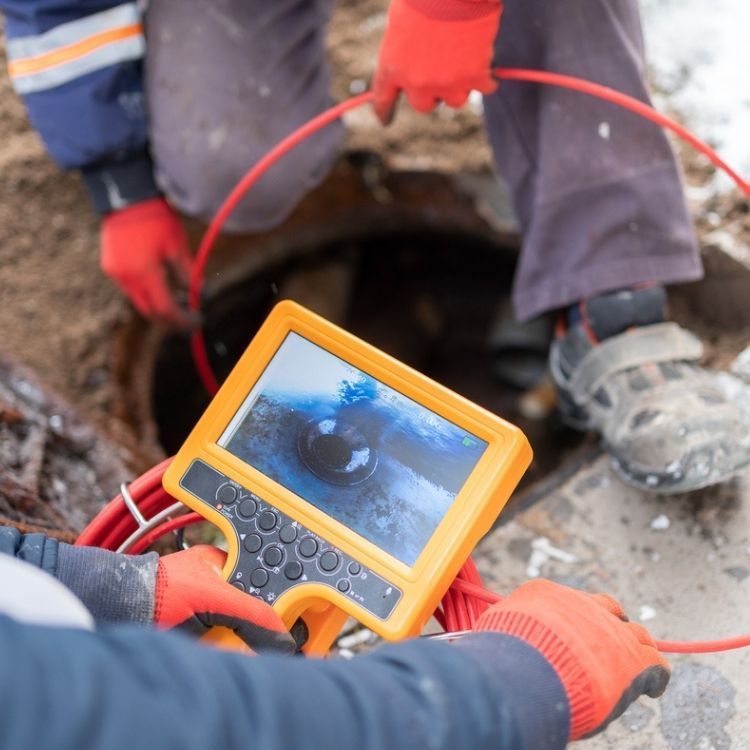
191	595
138	245
603	661
435	50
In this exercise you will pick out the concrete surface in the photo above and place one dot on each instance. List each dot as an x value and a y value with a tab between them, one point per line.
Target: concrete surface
680	565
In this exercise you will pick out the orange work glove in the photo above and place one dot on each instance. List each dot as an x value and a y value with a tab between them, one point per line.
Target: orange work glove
603	661
138	245
191	595
436	50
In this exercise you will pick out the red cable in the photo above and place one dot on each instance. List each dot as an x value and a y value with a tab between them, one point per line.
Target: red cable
466	598
703	647
206	246
172	525
197	343
626	102
95	533
667	647
461	606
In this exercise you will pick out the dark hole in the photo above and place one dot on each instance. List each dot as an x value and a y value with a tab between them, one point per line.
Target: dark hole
332	450
428	298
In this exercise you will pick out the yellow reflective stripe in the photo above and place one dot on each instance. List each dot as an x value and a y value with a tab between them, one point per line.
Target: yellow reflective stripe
32	65
74	49
69	33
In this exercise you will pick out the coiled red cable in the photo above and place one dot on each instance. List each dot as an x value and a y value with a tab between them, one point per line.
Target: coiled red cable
467	598
459	610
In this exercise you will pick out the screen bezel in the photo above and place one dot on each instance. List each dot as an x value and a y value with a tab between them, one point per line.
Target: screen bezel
244	410
469	505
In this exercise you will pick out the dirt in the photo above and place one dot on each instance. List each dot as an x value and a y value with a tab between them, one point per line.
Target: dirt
717	308
59	313
56	471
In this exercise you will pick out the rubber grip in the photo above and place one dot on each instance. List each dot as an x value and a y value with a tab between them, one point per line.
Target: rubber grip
225	639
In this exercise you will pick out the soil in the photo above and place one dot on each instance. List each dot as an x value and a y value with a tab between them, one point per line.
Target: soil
716	309
59	313
56	471
57	310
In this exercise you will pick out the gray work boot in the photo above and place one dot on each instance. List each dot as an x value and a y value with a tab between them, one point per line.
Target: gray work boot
670	425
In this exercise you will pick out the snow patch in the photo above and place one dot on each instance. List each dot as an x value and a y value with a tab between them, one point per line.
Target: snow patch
660	523
699	55
542	552
646	613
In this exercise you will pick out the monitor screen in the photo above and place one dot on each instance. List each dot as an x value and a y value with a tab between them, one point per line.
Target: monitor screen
380	463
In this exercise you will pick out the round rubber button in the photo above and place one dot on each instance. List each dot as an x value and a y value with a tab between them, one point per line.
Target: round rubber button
226	494
288	533
343	585
259	578
354	569
267	520
273	556
252	543
329	561
308	547
247	508
293	570
239	585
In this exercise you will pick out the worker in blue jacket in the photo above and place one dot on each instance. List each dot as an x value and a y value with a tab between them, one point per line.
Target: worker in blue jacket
553	665
597	191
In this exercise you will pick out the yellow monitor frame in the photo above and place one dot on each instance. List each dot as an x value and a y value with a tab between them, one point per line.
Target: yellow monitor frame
390	597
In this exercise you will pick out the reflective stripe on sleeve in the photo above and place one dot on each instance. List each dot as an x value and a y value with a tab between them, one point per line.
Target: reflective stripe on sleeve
73	49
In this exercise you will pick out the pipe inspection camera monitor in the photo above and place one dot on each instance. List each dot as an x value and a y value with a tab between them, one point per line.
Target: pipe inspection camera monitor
346	483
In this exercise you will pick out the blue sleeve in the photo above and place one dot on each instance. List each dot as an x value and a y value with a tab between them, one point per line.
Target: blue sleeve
78	66
113	587
127	688
38	550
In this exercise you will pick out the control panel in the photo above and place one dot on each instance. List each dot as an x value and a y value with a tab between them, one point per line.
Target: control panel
277	552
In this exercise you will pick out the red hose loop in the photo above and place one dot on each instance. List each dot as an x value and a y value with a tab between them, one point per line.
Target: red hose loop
626	102
198	344
466	598
206	246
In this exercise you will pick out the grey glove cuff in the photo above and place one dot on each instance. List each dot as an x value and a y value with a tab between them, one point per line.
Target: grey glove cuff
114	587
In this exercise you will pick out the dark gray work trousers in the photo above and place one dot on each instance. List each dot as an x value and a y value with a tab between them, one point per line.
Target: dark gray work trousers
597	190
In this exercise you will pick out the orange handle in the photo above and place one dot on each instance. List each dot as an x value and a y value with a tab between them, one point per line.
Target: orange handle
225	639
323	628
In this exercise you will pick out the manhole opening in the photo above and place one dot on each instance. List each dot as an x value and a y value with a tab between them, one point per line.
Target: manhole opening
430	298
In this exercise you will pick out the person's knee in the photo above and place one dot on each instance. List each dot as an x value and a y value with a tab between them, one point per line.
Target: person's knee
200	184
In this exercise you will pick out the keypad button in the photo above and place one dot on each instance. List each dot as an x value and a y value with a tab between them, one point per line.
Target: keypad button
267	520
259	578
288	533
329	561
252	543
273	556
354	568
226	494
308	547
293	570
343	585
247	508
239	585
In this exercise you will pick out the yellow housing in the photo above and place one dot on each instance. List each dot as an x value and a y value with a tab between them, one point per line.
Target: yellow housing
323	608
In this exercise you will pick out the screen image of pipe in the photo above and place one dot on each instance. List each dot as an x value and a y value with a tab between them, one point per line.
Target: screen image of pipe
365	454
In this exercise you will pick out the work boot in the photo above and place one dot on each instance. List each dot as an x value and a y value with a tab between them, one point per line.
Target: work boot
669	424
